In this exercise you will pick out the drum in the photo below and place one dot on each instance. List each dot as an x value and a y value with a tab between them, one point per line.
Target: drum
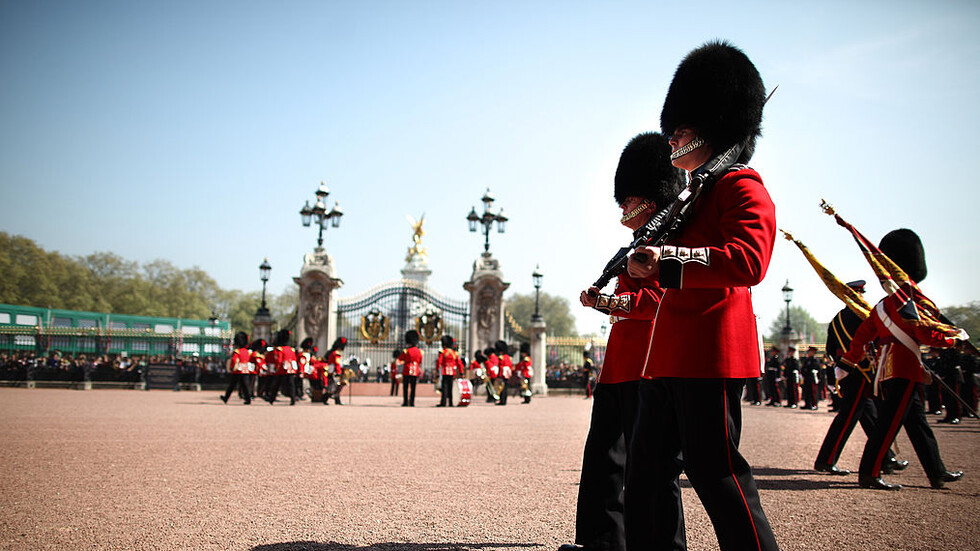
462	392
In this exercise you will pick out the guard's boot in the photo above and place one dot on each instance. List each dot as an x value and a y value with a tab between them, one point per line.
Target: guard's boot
876	483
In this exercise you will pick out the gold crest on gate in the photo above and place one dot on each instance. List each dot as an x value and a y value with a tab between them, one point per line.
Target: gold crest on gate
374	326
429	326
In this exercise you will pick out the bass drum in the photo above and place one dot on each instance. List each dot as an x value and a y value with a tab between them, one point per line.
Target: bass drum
462	393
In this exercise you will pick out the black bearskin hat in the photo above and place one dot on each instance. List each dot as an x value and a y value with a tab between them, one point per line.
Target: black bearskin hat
489	350
718	91
307	343
448	341
501	347
645	171
241	339
412	337
525	348
339	343
282	338
479	356
258	345
904	248
396	353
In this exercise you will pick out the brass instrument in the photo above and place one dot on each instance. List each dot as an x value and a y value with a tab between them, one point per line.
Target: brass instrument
526	390
491	389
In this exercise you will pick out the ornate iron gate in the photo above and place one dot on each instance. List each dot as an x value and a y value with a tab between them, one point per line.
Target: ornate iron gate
375	323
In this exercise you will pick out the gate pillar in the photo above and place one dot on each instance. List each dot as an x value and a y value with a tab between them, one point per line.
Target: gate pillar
486	287
316	314
539	344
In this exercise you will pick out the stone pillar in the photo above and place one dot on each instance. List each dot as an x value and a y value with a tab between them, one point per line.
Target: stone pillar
317	314
539	347
262	325
486	287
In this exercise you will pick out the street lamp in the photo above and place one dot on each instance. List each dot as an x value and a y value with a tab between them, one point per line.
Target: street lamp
487	220
319	212
537	276
264	270
787	297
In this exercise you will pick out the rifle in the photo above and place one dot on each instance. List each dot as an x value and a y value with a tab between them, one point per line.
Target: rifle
667	222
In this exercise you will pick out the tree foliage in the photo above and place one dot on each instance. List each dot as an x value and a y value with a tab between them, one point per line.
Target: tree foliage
801	322
555	311
967	317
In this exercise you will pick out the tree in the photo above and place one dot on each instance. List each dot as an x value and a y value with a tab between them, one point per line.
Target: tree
966	317
554	310
802	323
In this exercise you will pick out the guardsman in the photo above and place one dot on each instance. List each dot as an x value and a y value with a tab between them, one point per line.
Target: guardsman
306	360
335	371
811	372
791	373
588	368
773	367
262	369
705	342
448	365
893	325
239	366
506	370
492	366
395	374
525	371
411	363
645	182
952	374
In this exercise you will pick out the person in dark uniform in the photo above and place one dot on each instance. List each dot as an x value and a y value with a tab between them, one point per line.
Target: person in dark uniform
334	372
588	368
971	383
893	326
934	404
448	366
238	370
951	374
811	371
411	362
753	391
856	403
645	182
506	370
791	373
705	341
773	368
394	373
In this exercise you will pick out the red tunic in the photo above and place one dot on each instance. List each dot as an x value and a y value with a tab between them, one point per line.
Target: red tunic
411	361
895	359
523	368
241	361
506	366
447	362
334	364
633	308
286	360
493	366
261	366
706	327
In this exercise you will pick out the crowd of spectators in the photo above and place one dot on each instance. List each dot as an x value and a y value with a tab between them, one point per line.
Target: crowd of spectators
565	375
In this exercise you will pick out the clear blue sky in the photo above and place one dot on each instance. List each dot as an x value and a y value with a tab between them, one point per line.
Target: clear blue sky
195	131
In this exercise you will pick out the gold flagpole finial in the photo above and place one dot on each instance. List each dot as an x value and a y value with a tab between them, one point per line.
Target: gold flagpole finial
787	235
827	207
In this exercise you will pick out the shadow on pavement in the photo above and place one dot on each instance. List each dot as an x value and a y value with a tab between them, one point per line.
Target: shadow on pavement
331	546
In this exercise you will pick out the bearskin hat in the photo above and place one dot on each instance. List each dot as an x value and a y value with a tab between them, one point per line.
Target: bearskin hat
241	339
479	356
718	91
501	347
904	248
282	338
398	352
645	171
307	343
525	348
258	345
412	337
489	350
339	343
448	341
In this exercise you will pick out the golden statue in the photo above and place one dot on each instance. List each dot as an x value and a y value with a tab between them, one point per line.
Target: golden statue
417	249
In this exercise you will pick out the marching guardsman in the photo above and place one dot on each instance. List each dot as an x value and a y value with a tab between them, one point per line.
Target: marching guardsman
411	362
260	367
856	403
492	366
448	365
791	373
705	342
951	374
239	366
306	361
645	182
394	373
525	372
588	368
811	372
335	371
478	373
284	359
894	325
773	367
506	370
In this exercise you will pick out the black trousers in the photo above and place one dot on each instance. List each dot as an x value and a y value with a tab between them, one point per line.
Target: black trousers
753	390
394	386
901	406
446	387
701	421
503	392
856	405
239	380
772	386
599	516
792	388
408	385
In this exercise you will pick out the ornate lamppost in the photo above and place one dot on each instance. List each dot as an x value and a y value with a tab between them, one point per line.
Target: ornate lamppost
319	212
262	322
537	276
264	270
787	329
487	220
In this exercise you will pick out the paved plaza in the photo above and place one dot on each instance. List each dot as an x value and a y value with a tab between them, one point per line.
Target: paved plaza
133	470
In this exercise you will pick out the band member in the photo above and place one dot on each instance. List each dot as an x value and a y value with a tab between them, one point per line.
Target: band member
773	367
282	361
705	343
506	371
588	368
894	325
492	366
411	362
791	373
478	373
856	403
525	372
335	371
238	367
644	182
448	365
810	370
394	373
262	369
951	374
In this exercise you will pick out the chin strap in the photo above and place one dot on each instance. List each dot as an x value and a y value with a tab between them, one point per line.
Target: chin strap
691	146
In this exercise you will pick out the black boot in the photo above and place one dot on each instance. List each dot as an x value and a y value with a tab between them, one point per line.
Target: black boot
946	476
870	483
